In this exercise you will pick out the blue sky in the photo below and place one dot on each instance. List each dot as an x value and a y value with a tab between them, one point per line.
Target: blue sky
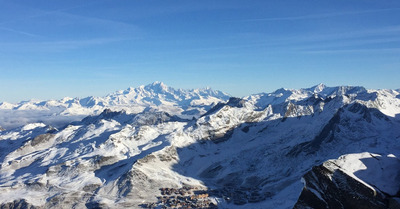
53	49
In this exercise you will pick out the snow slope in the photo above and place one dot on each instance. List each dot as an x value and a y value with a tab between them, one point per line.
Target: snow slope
244	153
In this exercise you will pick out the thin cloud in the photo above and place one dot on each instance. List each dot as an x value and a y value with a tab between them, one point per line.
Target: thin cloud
130	32
41	13
62	12
319	16
20	32
353	43
57	46
341	51
356	37
350	38
99	21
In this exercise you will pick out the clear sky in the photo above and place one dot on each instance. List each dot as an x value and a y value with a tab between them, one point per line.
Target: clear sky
77	48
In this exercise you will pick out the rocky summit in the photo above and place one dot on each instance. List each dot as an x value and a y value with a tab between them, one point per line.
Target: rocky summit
158	147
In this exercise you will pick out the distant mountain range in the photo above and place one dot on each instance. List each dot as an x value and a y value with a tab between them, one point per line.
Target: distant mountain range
155	147
153	97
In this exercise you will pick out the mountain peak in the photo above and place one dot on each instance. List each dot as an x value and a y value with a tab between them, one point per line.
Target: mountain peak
157	83
281	91
130	89
157	86
318	88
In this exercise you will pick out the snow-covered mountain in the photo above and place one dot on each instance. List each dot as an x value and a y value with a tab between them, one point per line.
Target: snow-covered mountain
249	152
153	97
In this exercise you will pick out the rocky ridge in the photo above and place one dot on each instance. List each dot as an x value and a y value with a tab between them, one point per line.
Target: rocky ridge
363	180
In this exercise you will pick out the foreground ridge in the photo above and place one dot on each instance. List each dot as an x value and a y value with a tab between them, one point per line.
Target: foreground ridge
348	183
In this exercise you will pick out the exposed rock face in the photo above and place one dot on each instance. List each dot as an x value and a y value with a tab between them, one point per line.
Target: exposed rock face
18	204
41	139
335	184
341	192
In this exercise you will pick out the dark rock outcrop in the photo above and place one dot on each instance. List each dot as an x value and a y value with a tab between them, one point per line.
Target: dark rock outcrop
41	139
18	204
233	102
329	186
